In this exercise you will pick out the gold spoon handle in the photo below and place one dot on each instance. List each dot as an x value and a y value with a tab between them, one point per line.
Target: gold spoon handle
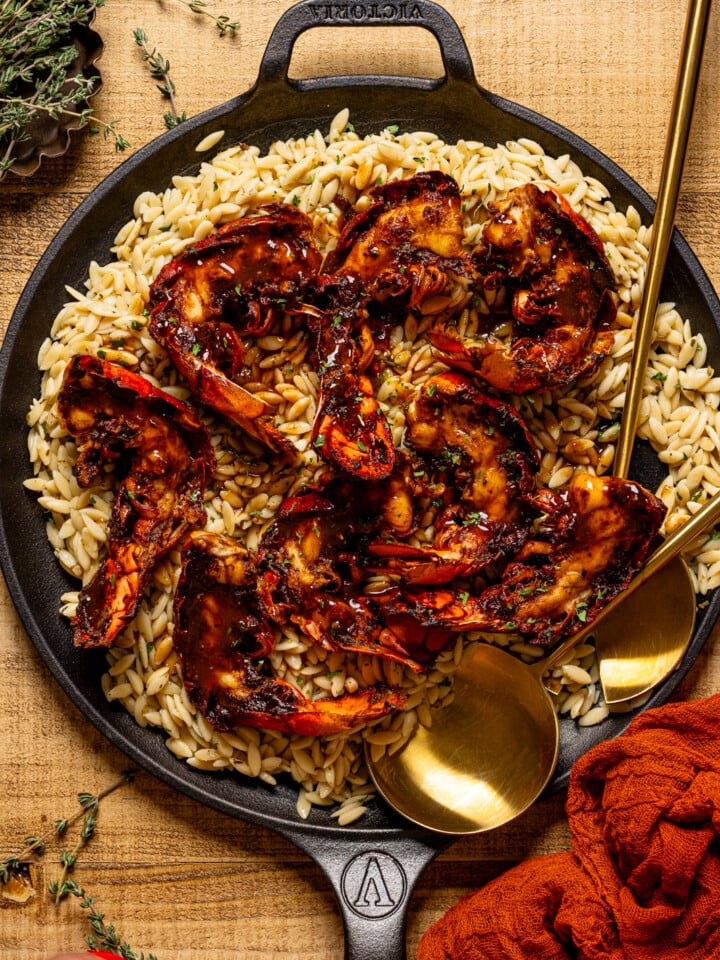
674	159
705	517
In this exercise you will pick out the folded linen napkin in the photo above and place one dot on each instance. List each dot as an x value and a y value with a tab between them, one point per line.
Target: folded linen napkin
642	881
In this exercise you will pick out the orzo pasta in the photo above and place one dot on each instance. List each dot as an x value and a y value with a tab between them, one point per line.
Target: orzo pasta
574	427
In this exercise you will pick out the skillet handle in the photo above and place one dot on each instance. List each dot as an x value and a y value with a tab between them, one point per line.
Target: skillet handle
369	13
373	881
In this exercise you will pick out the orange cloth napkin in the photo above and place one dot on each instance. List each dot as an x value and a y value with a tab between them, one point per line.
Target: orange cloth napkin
643	879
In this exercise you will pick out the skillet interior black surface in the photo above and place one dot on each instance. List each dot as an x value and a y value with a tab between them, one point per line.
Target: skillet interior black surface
276	108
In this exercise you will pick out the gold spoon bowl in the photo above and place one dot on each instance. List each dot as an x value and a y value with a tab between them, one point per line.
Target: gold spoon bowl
488	755
645	639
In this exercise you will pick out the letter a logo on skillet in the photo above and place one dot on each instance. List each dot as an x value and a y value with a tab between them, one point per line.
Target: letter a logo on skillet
374	885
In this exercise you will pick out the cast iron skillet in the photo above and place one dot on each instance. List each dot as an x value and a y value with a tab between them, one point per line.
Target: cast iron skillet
374	864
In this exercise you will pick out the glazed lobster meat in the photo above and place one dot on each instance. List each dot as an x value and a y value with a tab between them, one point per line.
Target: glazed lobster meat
222	292
164	457
310	573
589	541
407	244
395	546
224	640
560	283
390	258
479	460
350	431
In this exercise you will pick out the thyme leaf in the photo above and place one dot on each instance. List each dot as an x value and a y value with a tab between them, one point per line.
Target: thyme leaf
37	54
160	70
103	936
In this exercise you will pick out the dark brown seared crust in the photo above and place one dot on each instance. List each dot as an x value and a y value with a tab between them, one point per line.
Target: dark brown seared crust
560	283
223	639
164	455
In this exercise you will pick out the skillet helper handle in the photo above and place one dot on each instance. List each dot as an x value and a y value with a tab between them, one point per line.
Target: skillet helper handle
369	13
373	881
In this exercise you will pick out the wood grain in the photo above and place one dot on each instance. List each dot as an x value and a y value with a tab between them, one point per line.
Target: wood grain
175	878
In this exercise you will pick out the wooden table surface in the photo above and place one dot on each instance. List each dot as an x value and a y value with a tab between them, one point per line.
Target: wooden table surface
176	879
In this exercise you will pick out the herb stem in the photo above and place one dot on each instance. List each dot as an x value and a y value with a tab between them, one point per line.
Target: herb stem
103	936
85	116
160	70
87	801
222	22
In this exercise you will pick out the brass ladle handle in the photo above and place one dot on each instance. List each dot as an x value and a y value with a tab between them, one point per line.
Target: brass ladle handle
683	537
670	177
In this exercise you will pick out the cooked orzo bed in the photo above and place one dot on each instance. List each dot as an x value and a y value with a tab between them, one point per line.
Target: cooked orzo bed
575	428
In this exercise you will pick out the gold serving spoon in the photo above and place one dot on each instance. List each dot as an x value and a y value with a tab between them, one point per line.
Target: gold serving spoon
490	753
643	643
493	750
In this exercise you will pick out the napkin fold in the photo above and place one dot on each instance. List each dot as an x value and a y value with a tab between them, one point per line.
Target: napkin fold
642	881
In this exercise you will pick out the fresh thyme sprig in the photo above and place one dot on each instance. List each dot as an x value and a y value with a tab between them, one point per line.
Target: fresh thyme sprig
37	53
160	70
223	23
89	803
103	936
17	113
160	65
59	888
